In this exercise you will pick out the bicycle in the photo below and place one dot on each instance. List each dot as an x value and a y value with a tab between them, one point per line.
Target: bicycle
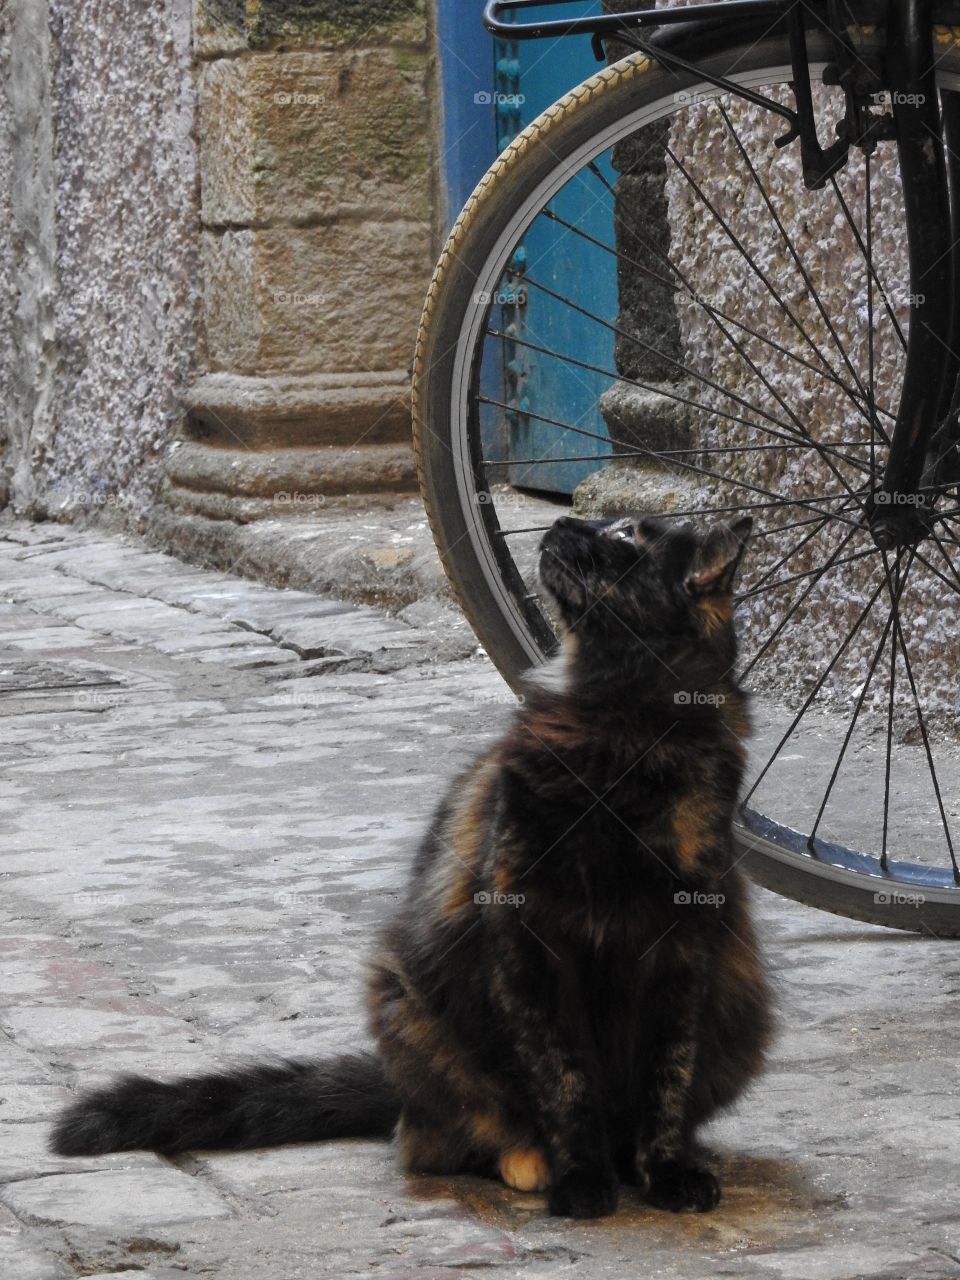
784	356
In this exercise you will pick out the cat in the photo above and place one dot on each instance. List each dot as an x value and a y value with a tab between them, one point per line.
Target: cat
572	985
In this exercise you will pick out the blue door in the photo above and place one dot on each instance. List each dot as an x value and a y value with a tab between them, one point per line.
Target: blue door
489	91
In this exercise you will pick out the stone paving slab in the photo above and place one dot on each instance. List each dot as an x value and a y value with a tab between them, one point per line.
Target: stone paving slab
125	591
127	1199
196	854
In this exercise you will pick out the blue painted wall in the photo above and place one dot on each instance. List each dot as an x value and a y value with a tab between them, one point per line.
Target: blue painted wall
489	91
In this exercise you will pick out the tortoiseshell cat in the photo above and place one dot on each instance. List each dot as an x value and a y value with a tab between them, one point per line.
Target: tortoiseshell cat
572	986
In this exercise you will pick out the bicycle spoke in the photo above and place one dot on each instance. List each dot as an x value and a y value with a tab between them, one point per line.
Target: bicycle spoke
805	275
908	668
803	431
592	368
661	453
814	691
714	312
796	605
821	524
791	441
706	511
862	247
890	705
598	435
811	838
796	577
871	382
661	355
936	572
822	521
943	551
758	272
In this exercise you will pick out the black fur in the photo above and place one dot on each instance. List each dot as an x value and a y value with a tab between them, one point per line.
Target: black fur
572	985
261	1105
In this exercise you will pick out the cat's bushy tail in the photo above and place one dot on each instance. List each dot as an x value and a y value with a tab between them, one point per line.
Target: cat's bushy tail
262	1105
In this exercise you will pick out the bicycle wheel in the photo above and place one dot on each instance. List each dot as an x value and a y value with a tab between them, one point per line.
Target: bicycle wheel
758	372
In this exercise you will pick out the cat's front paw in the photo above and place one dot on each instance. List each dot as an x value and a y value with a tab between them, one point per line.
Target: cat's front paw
680	1187
584	1193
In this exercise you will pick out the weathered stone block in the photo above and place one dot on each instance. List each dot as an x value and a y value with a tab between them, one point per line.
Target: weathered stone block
332	297
640	419
626	487
307	134
219	26
289	481
223	26
338	408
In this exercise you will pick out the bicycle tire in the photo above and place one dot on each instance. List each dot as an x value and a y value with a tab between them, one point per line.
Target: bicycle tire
847	884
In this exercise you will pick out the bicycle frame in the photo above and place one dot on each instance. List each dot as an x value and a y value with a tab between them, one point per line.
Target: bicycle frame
921	119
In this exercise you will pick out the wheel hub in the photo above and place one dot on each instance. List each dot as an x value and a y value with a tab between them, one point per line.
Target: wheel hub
897	519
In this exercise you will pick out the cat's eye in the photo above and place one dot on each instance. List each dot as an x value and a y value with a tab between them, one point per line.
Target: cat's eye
623	531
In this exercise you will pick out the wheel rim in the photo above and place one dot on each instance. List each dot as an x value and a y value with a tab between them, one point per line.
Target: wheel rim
863	379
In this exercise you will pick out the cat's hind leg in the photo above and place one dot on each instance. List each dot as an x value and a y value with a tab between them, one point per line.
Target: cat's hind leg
455	1117
525	1168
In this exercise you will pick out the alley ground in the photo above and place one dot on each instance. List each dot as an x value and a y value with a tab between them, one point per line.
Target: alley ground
210	793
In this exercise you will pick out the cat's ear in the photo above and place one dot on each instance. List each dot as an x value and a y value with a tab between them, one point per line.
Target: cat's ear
718	558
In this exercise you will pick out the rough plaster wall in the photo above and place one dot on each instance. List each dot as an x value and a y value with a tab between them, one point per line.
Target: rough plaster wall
827	247
127	263
29	224
7	287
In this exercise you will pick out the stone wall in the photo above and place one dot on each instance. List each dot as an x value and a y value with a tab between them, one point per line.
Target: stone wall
216	231
317	235
98	250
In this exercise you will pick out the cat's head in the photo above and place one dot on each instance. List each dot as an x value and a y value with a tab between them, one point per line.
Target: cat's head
635	585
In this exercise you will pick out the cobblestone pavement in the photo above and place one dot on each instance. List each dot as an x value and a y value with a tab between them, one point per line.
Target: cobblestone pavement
210	792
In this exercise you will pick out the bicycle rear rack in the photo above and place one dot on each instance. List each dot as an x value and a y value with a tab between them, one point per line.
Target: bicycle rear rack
614	24
819	164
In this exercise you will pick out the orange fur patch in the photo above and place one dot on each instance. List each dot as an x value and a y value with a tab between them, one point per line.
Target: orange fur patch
525	1169
716	613
694	830
456	877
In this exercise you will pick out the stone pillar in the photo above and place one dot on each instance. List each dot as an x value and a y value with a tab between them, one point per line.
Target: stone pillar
636	417
317	214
